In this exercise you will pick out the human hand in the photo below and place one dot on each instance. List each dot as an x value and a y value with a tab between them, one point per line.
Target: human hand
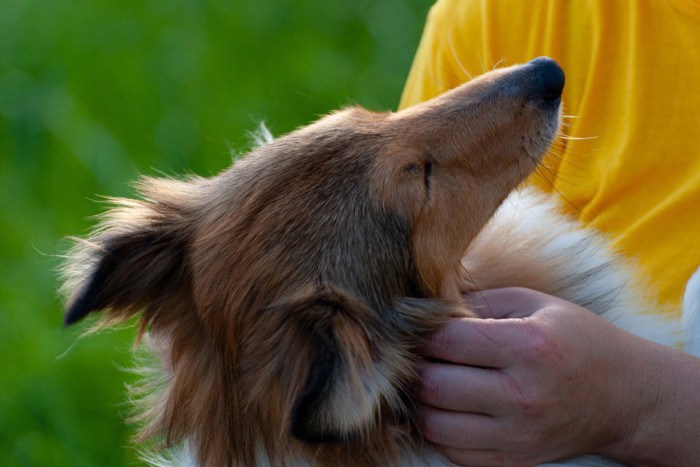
538	379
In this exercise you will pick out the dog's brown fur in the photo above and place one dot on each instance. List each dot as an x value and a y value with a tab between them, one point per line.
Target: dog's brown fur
289	294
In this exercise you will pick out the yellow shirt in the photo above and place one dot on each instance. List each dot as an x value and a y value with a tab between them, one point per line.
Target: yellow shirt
633	85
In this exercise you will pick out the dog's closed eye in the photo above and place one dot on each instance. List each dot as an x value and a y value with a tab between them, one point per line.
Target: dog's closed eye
427	173
425	168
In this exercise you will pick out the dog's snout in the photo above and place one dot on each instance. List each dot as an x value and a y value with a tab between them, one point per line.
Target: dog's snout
548	78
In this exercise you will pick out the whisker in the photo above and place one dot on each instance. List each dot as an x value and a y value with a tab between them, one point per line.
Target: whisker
561	177
577	138
477	289
561	143
549	152
558	149
459	62
555	189
540	166
567	162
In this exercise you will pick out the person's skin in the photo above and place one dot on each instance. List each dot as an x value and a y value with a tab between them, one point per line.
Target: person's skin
542	379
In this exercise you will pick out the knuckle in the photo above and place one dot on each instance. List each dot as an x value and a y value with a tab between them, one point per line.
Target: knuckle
429	426
442	342
540	346
430	386
526	401
531	404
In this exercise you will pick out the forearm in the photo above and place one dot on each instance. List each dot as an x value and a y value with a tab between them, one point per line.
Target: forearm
663	394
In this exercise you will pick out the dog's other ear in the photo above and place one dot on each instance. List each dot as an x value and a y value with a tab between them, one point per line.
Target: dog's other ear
340	398
135	261
314	360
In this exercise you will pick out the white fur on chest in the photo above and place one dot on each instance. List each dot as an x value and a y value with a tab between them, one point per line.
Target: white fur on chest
529	243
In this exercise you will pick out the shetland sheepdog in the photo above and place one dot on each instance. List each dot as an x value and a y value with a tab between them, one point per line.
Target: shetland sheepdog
288	297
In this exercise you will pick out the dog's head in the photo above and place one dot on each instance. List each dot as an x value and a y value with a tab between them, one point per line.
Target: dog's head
292	288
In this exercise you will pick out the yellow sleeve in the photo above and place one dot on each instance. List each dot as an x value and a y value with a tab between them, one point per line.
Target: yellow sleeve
632	166
436	67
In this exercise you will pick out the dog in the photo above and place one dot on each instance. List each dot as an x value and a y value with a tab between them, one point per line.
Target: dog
287	298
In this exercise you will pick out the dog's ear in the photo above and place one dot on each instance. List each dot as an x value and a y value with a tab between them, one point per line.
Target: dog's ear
325	366
340	398
315	360
136	260
359	365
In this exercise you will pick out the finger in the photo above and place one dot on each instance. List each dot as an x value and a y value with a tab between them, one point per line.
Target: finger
473	457
509	302
474	342
458	430
460	388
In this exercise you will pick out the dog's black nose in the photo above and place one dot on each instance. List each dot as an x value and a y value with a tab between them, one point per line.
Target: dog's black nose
549	78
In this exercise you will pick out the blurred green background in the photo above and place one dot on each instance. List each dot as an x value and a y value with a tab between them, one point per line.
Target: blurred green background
94	93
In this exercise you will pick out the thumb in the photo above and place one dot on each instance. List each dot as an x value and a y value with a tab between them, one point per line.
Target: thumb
509	302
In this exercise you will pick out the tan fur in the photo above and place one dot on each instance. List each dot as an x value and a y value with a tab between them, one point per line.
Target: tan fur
289	295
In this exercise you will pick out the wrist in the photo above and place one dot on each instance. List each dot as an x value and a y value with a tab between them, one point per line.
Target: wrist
652	406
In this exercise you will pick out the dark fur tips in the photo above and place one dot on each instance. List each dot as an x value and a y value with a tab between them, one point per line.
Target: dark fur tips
83	303
337	401
131	272
325	368
90	297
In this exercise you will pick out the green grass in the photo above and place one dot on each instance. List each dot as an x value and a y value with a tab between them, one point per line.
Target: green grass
94	93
